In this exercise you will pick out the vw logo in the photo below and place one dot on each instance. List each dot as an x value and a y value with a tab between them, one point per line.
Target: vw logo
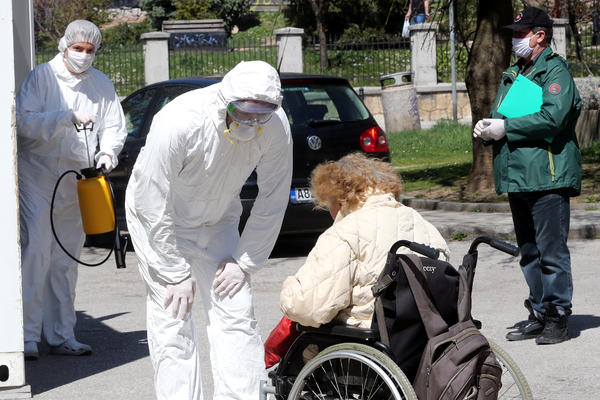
314	142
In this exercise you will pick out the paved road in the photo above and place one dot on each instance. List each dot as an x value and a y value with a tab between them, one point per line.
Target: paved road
111	312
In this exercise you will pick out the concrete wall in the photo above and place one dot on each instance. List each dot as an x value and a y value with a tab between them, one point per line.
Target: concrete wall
435	103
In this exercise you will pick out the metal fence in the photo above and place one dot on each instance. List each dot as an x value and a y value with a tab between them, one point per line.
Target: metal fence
444	61
124	65
361	61
588	61
218	60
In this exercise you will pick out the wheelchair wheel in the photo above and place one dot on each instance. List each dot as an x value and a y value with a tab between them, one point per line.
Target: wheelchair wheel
351	371
514	384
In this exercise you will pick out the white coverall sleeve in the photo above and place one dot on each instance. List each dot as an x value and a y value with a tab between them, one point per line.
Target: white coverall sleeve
274	174
322	287
113	131
33	121
156	178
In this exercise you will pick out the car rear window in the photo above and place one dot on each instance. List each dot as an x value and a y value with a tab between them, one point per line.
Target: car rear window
306	103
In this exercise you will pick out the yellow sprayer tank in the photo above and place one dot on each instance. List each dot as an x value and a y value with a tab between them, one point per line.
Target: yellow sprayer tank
95	203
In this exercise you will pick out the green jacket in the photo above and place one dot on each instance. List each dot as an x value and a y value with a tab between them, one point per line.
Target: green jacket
540	151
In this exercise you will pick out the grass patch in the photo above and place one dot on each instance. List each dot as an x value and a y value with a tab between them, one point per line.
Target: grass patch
458	236
432	158
591	154
426	178
447	143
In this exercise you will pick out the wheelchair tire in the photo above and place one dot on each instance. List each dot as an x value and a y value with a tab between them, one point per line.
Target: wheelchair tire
348	369
514	384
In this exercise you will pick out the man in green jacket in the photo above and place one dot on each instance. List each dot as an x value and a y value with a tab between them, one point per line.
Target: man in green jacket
538	163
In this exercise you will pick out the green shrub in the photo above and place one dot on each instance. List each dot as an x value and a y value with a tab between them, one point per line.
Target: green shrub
158	11
193	9
235	12
125	34
591	154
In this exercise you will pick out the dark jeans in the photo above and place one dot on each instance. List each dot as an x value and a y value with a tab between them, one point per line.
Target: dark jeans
541	222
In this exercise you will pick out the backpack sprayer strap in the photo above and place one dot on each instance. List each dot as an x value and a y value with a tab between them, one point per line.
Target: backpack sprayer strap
85	129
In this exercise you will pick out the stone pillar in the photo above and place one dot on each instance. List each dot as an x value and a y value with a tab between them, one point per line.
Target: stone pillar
559	36
423	57
289	49
156	56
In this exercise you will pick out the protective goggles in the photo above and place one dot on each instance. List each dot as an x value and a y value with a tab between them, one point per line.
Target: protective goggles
251	112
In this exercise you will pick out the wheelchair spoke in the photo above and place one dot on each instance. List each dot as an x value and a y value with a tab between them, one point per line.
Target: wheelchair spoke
320	394
348	376
348	372
327	375
376	389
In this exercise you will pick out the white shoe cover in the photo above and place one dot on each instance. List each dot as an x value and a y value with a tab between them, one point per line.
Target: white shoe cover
71	347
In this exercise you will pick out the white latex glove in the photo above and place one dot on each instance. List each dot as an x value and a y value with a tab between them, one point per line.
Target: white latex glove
82	118
181	295
479	126
494	130
105	161
228	279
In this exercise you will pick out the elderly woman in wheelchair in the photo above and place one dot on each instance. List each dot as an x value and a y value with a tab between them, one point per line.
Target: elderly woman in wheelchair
332	290
333	349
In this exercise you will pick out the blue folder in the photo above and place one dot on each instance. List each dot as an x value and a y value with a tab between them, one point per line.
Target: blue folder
523	98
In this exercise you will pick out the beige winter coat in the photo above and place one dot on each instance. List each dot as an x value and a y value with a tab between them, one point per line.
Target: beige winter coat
335	282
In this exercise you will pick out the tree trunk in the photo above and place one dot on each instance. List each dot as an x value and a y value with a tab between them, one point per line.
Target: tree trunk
490	55
317	7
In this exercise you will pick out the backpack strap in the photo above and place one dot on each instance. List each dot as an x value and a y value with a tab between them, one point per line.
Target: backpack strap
378	288
464	295
432	320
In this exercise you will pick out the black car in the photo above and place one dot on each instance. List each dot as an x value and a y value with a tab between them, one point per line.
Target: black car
328	120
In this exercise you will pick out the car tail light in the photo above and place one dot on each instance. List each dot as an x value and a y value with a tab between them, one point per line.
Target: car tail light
373	140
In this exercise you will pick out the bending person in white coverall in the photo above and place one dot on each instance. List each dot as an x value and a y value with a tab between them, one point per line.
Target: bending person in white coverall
55	97
183	209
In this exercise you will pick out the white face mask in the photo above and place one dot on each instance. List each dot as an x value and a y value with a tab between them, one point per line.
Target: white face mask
521	46
241	133
78	62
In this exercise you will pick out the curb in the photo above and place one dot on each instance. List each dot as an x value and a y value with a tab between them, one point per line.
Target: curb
426	204
471	231
457	221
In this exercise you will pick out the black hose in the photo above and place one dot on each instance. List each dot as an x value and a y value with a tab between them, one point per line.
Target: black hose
78	175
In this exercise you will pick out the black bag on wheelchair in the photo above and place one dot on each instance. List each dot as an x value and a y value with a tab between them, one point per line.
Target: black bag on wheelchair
407	335
457	362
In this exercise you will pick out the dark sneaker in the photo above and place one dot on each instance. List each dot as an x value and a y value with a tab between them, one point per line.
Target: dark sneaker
555	327
529	330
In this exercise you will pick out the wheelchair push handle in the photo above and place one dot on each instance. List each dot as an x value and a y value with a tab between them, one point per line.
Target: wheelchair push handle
495	243
417	248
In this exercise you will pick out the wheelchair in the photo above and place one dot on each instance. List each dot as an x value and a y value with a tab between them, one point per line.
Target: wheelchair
353	363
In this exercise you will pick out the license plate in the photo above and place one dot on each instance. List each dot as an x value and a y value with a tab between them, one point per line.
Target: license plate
300	195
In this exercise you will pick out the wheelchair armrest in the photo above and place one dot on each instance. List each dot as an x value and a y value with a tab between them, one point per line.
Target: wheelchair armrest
341	330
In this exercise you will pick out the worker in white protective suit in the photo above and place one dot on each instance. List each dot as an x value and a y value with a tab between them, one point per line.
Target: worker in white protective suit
56	101
183	209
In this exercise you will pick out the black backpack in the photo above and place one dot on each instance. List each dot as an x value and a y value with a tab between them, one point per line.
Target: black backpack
406	333
457	361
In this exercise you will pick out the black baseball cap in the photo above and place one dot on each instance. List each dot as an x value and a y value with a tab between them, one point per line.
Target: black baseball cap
529	18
